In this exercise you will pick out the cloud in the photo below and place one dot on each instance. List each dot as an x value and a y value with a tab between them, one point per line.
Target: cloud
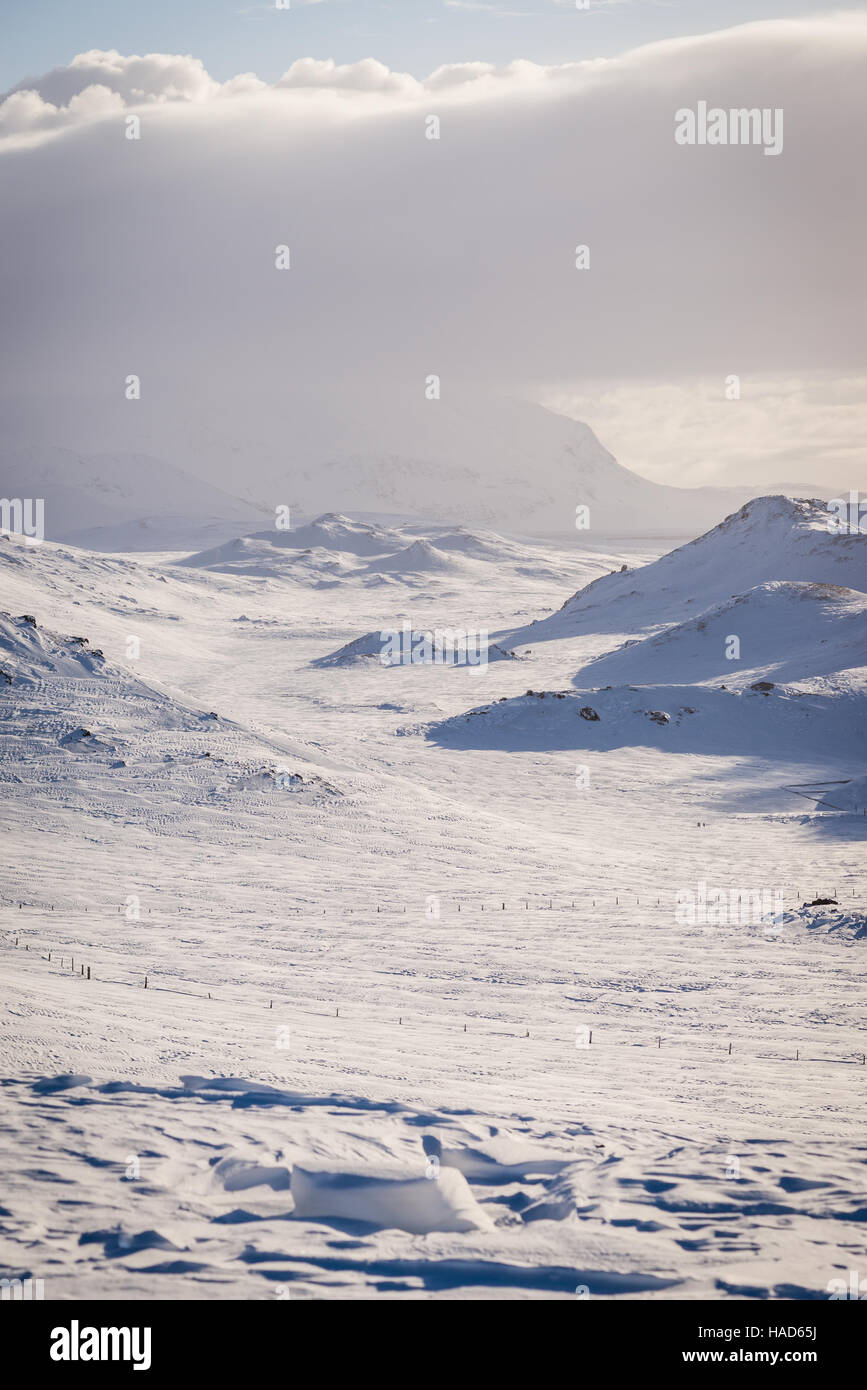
780	429
368	75
153	77
412	256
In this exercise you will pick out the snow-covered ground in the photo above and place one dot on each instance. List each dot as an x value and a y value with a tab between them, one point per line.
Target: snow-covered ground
435	1004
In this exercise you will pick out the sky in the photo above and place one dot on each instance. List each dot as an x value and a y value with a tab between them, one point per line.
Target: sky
409	256
416	36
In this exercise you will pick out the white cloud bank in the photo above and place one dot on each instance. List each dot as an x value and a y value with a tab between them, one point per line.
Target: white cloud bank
454	256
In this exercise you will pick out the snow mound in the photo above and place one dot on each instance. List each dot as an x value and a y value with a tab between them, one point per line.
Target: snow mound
828	921
335	532
499	1160
324	544
419	558
770	538
847	796
477	545
418	1204
274	779
438	647
359	651
29	653
790	630
262	556
674	718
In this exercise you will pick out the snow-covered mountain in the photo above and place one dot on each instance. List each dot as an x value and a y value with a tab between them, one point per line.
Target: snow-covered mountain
770	606
768	539
468	460
122	502
482	461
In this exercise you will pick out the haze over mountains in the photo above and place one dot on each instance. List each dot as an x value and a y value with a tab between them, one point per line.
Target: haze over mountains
122	502
506	464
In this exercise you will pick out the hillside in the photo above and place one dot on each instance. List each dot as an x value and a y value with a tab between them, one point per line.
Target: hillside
768	539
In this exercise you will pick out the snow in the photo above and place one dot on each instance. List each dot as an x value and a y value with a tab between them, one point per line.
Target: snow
786	631
420	557
420	1205
421	1020
769	539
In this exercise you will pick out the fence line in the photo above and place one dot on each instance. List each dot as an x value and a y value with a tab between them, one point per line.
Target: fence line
658	1041
572	903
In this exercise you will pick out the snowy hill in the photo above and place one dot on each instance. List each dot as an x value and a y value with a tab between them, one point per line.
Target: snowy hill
796	622
141	745
331	543
334	548
29	655
419	558
669	718
770	538
790	631
335	532
122	501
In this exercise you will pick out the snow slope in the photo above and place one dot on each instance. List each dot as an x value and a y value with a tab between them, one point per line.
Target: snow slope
787	631
771	538
674	719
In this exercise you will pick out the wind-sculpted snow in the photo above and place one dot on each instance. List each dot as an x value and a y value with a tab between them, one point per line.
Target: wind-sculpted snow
418	1204
210	1200
831	920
